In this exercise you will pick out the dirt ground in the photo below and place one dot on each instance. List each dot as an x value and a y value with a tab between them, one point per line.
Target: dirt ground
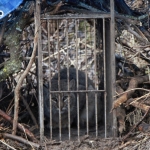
85	143
135	141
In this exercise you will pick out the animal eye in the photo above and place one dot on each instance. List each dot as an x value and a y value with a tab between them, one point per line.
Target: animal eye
65	98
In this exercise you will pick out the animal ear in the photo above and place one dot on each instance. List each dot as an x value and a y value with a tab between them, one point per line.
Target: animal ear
72	84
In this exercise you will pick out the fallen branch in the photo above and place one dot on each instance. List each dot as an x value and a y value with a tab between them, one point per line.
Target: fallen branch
7	145
126	136
57	7
126	144
30	112
18	87
21	127
120	113
20	139
147	90
132	84
137	35
140	106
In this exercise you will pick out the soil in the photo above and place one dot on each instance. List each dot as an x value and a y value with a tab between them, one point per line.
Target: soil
135	141
138	142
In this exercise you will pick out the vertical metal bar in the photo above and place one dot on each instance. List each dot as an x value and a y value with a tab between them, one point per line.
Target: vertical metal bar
68	81
48	26
148	12
40	76
86	81
58	48
96	81
105	101
77	78
110	71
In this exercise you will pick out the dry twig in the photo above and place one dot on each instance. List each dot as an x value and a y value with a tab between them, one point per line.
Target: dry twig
126	136
137	35
126	144
7	145
140	106
132	84
18	87
20	139
21	127
30	112
120	113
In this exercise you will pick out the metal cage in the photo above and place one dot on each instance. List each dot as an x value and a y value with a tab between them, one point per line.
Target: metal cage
73	42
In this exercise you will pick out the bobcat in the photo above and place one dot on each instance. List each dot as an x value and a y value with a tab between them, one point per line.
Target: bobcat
64	98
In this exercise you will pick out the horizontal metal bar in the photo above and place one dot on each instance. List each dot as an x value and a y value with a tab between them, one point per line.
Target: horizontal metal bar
28	58
80	91
78	16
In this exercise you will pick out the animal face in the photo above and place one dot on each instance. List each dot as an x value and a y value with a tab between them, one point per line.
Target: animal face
62	99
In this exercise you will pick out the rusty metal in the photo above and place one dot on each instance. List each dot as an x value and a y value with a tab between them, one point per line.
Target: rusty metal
105	101
78	91
87	120
78	16
96	81
110	70
58	63
108	65
50	79
77	77
40	78
69	127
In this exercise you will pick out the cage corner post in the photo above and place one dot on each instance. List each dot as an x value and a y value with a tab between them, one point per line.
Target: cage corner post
39	65
110	72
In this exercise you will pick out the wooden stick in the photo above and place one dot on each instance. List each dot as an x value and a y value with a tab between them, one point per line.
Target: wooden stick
21	127
30	112
140	106
20	139
7	145
18	87
126	136
137	35
132	84
120	113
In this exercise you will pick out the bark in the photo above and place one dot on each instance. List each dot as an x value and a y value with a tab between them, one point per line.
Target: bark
21	127
20	139
134	82
30	112
126	136
120	113
18	87
141	106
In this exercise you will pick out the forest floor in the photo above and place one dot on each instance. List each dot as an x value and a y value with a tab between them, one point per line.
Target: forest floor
131	140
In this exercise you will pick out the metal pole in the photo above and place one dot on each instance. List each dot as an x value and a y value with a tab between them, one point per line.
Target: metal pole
40	79
110	69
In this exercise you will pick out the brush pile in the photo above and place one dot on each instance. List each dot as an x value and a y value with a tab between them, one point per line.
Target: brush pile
132	43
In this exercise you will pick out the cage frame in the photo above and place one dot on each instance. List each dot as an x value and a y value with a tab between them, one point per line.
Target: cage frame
111	122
